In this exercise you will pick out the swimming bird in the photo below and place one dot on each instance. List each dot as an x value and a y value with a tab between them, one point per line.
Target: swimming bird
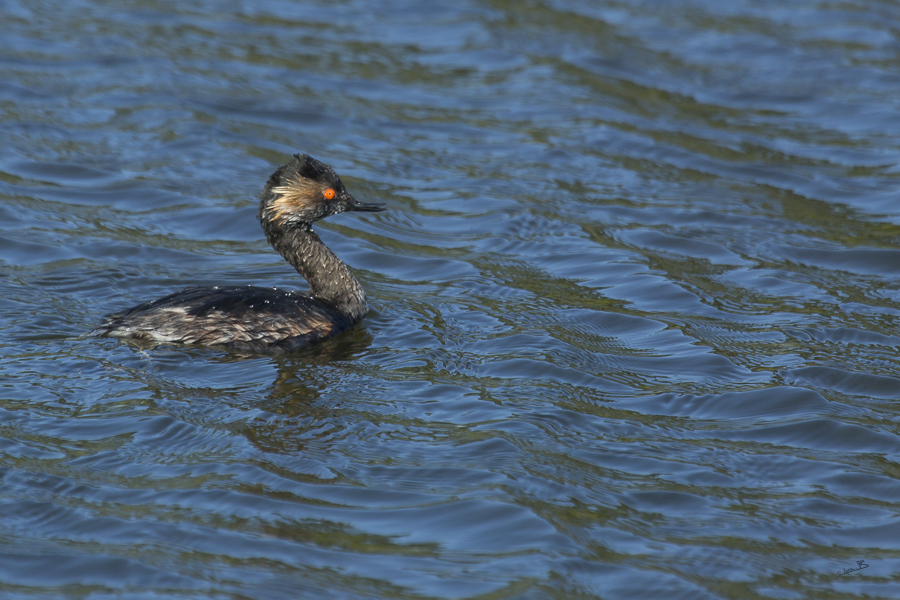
267	319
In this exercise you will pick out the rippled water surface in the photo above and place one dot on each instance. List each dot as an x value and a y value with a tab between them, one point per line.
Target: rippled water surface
635	302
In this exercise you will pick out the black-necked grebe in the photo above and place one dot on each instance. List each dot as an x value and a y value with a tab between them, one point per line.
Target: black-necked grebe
267	319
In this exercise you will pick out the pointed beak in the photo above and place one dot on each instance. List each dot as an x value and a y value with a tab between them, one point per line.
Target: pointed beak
353	204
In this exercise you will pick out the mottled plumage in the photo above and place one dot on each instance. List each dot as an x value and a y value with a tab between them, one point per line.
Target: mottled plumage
267	319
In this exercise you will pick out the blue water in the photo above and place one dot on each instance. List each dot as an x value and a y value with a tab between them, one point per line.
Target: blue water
635	302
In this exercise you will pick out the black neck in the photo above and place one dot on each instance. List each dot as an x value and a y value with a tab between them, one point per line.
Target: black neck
329	278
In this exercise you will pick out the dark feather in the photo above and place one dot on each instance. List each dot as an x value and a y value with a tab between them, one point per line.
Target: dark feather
243	317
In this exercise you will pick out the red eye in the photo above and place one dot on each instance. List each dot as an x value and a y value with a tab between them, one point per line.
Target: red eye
329	194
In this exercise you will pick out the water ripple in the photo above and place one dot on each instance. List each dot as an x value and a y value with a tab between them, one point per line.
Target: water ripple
634	319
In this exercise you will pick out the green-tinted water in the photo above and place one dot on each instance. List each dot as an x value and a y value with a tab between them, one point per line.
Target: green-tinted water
634	318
